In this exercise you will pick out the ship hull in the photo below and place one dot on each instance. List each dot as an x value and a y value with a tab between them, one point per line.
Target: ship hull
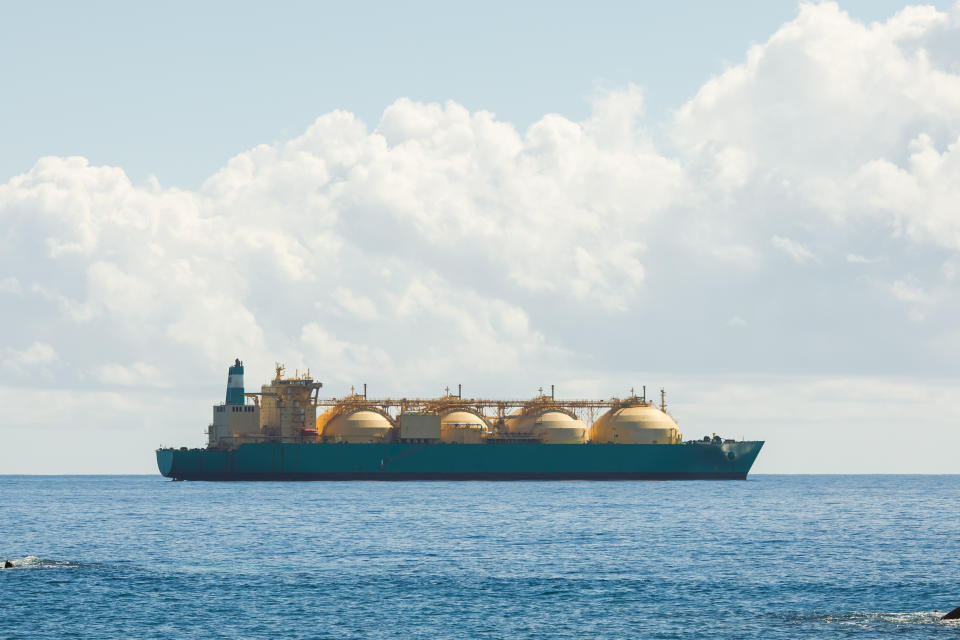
438	461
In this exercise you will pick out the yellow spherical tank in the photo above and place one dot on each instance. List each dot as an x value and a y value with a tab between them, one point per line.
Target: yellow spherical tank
635	425
551	427
361	425
464	427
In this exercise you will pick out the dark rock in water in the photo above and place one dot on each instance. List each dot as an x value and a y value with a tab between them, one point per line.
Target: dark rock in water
953	615
7	564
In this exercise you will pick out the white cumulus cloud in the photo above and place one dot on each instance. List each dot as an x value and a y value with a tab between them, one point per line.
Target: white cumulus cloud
136	374
29	362
795	250
10	285
855	258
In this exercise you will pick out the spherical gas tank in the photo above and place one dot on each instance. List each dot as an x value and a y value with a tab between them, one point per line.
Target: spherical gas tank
635	425
464	427
362	425
551	427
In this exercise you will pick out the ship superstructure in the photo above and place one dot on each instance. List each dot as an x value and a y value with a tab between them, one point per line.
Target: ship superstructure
286	431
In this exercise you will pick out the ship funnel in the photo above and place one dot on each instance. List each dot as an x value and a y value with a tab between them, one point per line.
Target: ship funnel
235	383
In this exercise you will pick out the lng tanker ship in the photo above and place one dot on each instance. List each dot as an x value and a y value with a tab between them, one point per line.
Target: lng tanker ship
287	432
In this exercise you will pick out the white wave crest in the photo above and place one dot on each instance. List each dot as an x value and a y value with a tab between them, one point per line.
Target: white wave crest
882	619
33	562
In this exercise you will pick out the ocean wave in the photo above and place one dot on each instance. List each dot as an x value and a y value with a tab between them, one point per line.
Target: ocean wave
873	620
33	562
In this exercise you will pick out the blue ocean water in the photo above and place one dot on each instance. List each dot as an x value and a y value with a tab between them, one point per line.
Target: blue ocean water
770	557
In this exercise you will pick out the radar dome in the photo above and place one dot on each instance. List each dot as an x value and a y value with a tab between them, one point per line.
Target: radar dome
635	425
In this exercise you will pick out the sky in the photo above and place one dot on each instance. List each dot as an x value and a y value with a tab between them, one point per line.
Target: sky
755	205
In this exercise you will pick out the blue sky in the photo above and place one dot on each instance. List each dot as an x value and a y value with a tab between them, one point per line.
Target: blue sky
756	205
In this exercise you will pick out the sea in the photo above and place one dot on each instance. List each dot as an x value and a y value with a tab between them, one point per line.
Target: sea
770	557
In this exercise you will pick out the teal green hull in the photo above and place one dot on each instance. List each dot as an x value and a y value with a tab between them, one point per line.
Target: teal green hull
437	461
